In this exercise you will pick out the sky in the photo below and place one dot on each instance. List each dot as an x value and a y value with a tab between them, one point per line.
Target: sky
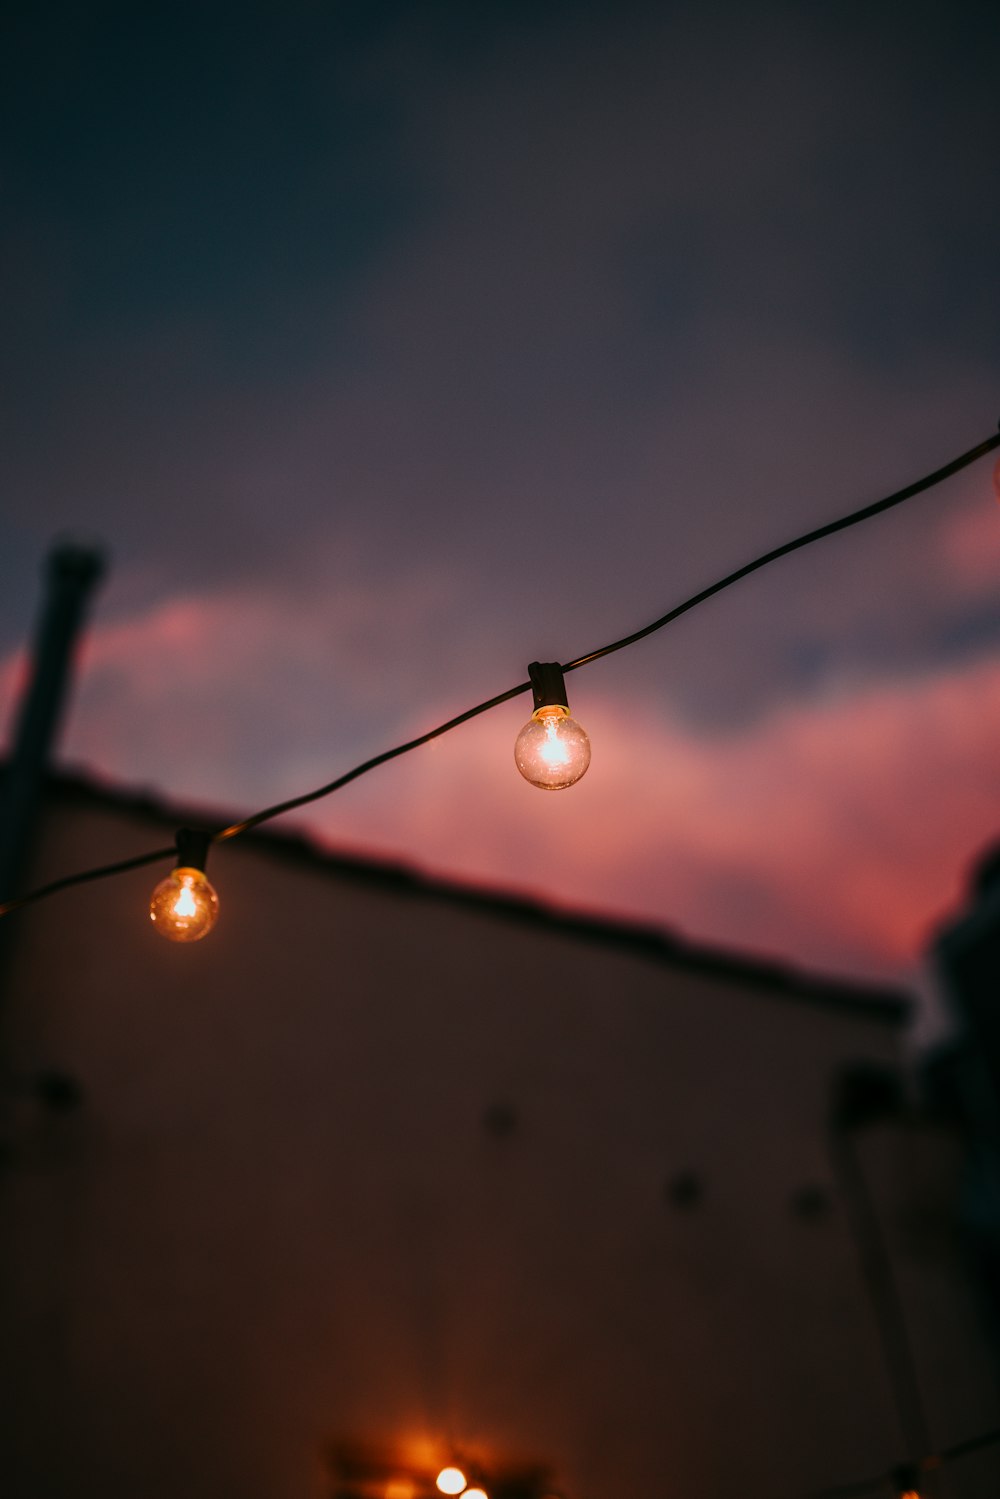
385	348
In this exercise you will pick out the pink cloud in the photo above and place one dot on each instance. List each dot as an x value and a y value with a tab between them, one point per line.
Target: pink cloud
971	544
833	831
232	693
13	680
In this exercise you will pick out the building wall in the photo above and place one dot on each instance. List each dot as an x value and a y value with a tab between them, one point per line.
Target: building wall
371	1163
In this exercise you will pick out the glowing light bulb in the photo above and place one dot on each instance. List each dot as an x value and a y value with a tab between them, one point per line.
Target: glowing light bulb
184	907
552	751
475	1494
451	1481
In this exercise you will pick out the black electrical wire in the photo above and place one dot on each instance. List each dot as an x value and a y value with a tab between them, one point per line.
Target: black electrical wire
236	828
973	1444
887	1482
830	529
85	877
606	650
359	770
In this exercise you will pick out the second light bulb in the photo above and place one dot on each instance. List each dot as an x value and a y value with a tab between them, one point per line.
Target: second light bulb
552	751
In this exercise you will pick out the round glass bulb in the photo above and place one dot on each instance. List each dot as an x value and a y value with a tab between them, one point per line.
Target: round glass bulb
552	751
184	907
451	1480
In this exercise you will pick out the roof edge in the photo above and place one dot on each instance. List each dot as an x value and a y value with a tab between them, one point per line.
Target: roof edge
781	980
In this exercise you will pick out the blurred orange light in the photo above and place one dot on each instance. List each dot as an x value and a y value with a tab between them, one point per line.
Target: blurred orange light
451	1481
475	1494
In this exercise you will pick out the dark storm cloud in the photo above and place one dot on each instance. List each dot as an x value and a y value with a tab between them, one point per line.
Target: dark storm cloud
487	238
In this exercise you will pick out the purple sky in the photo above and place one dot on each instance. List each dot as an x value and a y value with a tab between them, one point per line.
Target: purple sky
388	348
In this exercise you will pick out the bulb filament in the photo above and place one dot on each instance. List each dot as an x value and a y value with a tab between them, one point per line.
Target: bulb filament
184	904
552	749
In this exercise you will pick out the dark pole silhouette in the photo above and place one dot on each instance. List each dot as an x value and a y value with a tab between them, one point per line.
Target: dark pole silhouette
863	1096
72	572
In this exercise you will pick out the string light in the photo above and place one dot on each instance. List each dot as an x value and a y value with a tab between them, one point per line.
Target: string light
184	907
237	828
451	1481
900	1482
552	751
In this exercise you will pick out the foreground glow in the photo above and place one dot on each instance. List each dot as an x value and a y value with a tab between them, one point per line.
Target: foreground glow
552	751
451	1480
184	907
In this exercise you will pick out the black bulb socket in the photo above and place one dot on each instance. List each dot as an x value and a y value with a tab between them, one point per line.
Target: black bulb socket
905	1479
548	685
192	848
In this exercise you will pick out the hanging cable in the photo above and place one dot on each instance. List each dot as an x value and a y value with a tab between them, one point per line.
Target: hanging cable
85	876
905	1477
830	529
961	1449
867	512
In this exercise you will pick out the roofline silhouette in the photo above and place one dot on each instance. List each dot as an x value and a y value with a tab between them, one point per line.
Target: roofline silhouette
658	944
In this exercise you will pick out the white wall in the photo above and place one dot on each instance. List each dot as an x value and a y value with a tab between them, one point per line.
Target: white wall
280	1220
